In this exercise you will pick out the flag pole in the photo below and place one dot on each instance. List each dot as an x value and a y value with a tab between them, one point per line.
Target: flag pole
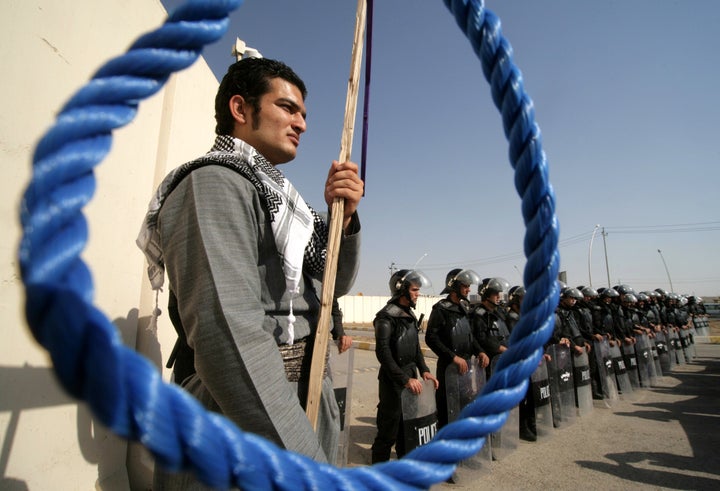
317	367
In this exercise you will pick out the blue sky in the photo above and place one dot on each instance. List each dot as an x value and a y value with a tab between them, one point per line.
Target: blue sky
626	97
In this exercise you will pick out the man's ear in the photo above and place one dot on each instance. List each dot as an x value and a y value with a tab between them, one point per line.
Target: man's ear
238	108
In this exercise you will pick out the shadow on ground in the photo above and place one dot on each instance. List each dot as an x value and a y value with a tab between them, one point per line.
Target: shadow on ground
362	437
697	409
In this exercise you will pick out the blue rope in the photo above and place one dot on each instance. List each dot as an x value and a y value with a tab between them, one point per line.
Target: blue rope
126	392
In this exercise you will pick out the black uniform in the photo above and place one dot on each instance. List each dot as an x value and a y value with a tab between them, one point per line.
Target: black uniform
566	326
397	348
449	335
584	314
489	328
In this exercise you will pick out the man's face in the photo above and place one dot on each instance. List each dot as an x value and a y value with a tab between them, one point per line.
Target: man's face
414	293
569	301
494	298
464	290
275	130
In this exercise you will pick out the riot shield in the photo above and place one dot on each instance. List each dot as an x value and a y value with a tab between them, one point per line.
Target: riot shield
663	351
460	390
701	325
692	334
631	365
505	441
671	348
540	386
646	366
341	373
419	416
685	345
678	348
607	373
621	373
655	356
582	382
562	388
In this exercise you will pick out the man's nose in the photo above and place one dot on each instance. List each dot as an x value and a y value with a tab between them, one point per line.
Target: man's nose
299	124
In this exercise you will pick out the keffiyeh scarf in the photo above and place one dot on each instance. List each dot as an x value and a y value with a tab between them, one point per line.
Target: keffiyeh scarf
300	233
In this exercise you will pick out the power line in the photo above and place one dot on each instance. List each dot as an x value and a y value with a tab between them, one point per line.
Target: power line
582	237
664	229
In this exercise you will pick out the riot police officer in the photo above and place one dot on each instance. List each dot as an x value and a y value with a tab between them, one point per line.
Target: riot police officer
488	323
515	296
449	334
567	331
397	348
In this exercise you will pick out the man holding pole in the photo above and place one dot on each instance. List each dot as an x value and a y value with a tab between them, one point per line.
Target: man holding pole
241	249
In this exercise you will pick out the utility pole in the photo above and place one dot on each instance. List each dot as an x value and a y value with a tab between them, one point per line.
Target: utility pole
607	268
666	270
392	268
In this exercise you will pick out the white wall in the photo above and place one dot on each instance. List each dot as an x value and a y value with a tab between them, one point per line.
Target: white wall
361	309
49	49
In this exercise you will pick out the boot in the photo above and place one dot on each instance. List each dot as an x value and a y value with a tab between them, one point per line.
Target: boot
528	431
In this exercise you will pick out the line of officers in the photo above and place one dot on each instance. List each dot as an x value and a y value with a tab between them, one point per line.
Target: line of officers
458	330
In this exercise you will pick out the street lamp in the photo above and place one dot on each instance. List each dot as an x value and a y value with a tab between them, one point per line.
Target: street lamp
590	253
666	270
419	259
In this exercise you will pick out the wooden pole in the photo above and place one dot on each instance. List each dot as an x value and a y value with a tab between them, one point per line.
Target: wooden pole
317	368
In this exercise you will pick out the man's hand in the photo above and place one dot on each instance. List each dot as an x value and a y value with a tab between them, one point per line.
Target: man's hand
344	182
430	376
414	385
484	360
344	343
461	365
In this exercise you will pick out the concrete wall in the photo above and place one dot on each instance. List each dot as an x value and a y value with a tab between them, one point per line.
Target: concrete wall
360	310
49	49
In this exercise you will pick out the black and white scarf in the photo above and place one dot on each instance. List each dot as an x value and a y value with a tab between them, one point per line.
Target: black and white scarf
300	233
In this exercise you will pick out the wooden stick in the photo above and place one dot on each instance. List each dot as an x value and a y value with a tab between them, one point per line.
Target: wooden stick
317	368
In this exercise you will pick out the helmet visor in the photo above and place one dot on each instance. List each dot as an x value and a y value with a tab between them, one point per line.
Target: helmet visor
417	278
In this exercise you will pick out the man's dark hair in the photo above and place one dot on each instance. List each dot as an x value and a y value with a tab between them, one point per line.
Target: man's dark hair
250	78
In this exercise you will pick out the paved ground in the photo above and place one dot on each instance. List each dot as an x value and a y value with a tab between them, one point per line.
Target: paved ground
668	437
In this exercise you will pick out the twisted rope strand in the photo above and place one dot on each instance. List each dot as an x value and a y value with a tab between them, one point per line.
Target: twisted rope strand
126	392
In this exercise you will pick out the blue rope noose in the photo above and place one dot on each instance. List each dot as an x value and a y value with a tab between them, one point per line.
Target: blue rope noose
126	392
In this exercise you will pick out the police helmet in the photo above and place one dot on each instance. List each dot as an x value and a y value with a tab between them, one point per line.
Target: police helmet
609	293
629	298
516	294
571	293
588	292
491	286
662	293
457	277
624	289
401	280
